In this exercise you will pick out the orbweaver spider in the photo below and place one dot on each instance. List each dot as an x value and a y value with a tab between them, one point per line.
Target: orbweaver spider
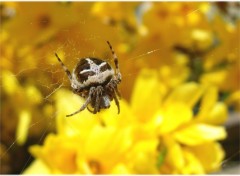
95	81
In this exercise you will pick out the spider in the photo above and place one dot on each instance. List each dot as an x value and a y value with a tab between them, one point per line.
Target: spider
95	81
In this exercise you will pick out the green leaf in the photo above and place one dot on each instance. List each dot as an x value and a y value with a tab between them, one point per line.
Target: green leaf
161	157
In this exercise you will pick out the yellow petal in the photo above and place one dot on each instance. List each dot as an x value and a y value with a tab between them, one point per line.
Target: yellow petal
37	167
217	115
209	99
110	10
81	123
214	78
59	153
193	165
210	155
9	82
202	38
108	141
112	118
33	94
146	96
174	116
193	18
188	93
120	169
83	166
142	158
23	127
211	111
199	133
175	155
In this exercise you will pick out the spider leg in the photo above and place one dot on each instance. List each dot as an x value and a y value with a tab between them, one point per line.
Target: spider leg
119	76
112	87
96	108
98	94
116	101
64	68
118	93
89	110
82	108
85	104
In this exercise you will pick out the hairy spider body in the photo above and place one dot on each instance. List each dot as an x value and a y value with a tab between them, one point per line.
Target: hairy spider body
95	81
91	72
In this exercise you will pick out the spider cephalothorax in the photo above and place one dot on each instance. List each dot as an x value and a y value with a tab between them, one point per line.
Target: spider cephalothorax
96	81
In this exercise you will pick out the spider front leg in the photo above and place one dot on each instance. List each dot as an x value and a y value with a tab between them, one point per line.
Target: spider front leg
117	72
89	99
112	87
117	92
116	101
64	68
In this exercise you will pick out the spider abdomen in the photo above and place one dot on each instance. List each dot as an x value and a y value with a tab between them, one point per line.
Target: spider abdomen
91	72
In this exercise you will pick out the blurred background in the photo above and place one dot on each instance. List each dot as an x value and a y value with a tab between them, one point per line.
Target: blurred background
168	51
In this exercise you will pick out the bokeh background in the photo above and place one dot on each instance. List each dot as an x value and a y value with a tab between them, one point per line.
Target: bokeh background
180	87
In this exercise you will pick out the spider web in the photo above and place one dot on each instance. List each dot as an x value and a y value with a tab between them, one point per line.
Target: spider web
62	82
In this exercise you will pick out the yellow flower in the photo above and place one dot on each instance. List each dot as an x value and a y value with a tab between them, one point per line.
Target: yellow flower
18	102
169	126
64	162
221	65
38	167
141	159
124	17
82	144
115	12
151	131
180	17
179	128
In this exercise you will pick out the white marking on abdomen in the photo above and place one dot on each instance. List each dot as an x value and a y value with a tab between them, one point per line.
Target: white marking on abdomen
98	78
93	67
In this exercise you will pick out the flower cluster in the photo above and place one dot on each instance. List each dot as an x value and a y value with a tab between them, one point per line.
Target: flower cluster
175	59
155	133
